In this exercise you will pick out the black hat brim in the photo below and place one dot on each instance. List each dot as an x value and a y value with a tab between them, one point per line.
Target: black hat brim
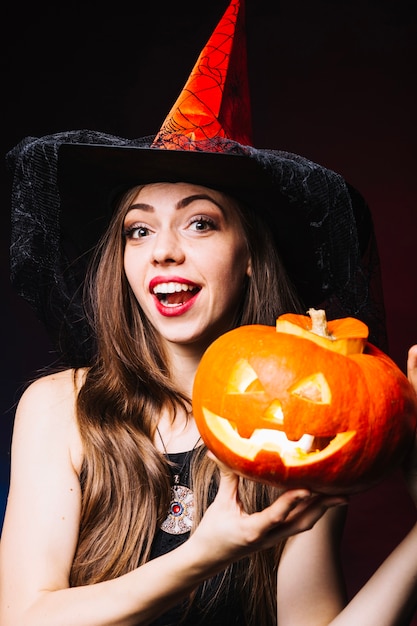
308	208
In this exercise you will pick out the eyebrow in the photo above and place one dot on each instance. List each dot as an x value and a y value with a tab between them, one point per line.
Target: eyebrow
181	204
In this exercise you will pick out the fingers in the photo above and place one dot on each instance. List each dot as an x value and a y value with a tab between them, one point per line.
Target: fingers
412	366
296	511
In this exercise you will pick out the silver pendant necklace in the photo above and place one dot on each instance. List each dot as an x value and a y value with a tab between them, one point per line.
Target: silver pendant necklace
181	508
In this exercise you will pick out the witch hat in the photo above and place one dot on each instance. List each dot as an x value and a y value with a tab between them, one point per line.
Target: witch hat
65	188
215	101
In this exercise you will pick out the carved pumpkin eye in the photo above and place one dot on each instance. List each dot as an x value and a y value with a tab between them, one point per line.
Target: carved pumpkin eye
243	379
313	389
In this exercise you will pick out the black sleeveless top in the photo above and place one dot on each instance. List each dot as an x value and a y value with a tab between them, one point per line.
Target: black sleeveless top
227	613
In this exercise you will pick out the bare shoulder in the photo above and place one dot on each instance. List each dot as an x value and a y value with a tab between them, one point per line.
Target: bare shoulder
47	408
55	386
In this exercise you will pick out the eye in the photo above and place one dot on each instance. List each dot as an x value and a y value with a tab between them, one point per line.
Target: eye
313	389
244	379
136	232
202	224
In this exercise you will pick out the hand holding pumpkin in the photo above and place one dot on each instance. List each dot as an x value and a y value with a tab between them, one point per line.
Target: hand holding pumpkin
227	533
305	406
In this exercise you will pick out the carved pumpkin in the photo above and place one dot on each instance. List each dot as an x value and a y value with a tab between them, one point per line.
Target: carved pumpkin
294	408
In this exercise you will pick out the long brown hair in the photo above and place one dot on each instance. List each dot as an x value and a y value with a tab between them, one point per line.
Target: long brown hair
125	480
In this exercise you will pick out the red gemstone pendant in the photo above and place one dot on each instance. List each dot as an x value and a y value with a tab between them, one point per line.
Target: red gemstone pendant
180	515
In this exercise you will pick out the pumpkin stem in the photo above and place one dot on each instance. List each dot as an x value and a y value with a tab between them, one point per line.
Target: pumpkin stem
319	323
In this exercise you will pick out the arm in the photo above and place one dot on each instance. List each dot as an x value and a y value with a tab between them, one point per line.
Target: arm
310	584
42	520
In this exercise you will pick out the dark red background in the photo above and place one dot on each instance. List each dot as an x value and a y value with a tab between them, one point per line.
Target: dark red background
332	80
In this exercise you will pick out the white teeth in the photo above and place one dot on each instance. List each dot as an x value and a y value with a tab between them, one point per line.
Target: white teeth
171	288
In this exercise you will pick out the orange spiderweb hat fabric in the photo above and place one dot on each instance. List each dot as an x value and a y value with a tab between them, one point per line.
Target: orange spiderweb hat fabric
215	101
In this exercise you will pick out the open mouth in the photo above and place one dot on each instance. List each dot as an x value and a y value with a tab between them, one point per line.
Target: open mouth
174	294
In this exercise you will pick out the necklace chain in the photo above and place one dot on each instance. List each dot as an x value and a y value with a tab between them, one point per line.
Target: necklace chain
177	475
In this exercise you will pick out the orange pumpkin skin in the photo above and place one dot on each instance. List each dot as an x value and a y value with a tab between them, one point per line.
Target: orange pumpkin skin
293	410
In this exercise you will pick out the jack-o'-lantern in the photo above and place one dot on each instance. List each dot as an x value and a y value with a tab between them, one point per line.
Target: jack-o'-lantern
309	403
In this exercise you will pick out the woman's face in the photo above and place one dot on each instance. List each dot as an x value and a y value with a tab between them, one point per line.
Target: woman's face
186	260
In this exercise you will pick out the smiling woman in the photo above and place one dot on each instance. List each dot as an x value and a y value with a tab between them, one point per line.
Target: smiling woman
184	245
137	255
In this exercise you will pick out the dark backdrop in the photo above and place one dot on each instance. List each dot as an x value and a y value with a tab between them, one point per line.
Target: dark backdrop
333	80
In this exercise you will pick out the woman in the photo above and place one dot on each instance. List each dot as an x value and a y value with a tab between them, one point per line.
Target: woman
174	234
193	237
104	455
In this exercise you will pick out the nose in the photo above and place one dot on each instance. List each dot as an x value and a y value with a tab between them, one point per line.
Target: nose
167	248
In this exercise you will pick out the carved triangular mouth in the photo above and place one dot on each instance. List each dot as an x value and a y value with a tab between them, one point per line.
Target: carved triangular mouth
308	449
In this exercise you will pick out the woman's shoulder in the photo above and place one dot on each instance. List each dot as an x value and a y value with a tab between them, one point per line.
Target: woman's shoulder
58	389
48	407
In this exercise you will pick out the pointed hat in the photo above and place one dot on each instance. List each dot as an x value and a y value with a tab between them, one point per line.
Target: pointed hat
65	186
215	100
